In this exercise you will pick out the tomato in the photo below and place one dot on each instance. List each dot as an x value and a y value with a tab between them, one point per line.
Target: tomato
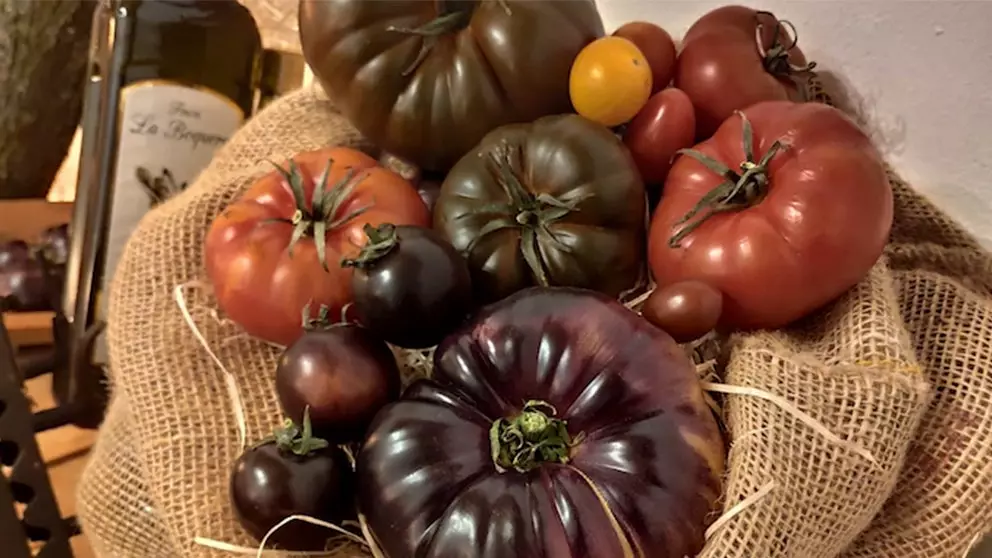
260	252
341	374
734	57
658	48
292	474
555	202
610	81
666	124
783	230
411	287
686	310
426	80
557	424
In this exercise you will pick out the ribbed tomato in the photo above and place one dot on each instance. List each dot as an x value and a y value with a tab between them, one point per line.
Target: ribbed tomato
782	210
277	249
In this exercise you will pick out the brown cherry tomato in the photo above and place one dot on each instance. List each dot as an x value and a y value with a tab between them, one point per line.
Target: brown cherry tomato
686	310
657	46
666	124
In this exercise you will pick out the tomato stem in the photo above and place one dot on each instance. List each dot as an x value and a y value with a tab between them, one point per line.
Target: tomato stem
532	437
532	214
453	15
382	240
291	438
325	204
739	190
775	58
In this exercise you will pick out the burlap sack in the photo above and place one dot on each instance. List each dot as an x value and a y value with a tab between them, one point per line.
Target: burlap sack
863	431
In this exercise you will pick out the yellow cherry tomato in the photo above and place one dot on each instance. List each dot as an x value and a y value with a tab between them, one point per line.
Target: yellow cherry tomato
610	81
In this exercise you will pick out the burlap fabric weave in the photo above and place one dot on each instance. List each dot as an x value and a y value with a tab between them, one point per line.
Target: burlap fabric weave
901	366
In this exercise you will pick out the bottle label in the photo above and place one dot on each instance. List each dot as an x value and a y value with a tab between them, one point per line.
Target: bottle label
168	135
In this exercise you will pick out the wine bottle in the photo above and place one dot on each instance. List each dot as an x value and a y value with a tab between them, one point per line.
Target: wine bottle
174	80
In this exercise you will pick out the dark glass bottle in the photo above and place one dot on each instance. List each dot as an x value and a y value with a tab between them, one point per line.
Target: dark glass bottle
170	82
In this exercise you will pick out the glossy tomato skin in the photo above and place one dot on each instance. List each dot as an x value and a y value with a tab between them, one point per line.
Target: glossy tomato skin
666	124
505	62
599	245
417	293
263	286
658	48
722	70
686	310
344	374
610	81
650	445
821	226
268	485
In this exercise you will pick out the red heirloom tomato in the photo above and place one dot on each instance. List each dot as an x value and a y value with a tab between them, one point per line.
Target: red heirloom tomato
734	57
782	210
658	48
260	252
557	424
666	124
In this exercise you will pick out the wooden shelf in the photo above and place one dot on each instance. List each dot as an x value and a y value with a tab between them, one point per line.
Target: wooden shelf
29	328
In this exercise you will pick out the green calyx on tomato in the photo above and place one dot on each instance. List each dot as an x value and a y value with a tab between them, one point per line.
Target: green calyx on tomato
324	206
291	438
739	190
776	58
453	16
531	438
382	240
531	213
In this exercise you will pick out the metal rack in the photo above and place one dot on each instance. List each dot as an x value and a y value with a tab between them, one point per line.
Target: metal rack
31	524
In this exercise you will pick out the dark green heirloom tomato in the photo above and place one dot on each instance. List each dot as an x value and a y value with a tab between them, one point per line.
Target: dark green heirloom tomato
426	80
557	202
558	424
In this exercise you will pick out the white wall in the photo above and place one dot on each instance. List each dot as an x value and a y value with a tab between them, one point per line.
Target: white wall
923	70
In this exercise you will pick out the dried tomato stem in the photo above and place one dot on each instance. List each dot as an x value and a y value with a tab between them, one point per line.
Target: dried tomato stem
382	240
739	190
532	214
534	436
776	58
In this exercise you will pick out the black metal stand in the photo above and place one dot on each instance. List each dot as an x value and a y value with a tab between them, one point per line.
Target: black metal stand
24	484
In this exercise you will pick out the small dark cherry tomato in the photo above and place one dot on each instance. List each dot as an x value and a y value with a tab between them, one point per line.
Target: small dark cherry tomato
13	251
686	310
658	48
429	188
55	244
293	474
343	373
666	124
410	286
24	285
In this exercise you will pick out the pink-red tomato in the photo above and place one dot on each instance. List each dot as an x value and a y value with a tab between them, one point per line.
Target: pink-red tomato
262	284
723	66
666	124
658	48
791	228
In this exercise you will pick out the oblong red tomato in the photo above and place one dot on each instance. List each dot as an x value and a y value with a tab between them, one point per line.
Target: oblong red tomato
666	124
734	57
263	284
807	222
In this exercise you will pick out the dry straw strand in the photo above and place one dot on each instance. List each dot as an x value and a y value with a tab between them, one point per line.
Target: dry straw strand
739	507
791	409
